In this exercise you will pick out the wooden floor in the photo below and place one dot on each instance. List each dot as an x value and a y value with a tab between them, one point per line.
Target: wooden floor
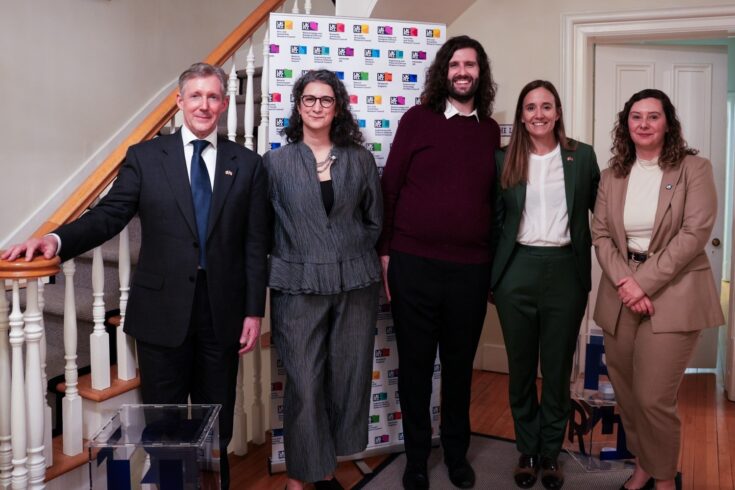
708	439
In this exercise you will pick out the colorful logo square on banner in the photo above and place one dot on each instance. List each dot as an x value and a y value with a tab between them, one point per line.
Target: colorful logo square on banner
395	416
410	77
274	49
433	33
384	439
361	29
418	55
376	374
410	31
340	75
346	51
353	99
281	122
360	75
275	145
361	124
321	50
374	419
276	386
338	27
390	330
372	53
395	54
385	30
392	373
284	73
374	147
373	99
384	76
385	351
274	97
309	25
380	397
298	49
398	100
286	25
381	124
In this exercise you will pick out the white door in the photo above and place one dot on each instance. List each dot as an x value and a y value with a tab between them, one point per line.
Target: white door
695	78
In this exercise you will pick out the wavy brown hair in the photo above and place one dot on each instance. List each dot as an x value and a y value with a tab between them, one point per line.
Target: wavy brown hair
623	149
344	130
515	169
436	90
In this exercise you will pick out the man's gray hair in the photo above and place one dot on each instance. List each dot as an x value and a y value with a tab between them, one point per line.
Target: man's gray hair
203	70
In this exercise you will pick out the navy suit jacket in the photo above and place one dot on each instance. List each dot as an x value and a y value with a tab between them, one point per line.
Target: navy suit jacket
153	182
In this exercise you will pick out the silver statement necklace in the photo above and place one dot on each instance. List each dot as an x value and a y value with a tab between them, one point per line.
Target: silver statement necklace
325	164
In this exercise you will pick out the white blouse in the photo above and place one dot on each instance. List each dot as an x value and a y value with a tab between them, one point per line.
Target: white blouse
545	220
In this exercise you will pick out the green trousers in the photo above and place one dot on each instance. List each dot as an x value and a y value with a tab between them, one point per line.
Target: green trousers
541	302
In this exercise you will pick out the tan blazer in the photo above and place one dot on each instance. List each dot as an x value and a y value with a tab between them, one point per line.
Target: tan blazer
677	275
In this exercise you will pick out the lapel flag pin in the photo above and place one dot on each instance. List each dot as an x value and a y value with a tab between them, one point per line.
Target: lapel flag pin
228	172
570	159
669	187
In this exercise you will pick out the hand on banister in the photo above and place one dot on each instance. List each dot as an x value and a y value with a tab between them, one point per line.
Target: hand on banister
46	246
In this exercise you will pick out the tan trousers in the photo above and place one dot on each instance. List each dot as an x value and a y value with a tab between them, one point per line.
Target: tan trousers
646	370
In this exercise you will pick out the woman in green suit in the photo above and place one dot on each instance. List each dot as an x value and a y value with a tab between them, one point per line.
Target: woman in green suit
541	272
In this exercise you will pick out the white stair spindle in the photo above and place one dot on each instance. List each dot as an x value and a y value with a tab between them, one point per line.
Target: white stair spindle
99	341
35	401
307	7
6	450
239	444
172	124
48	450
249	97
232	85
125	344
19	476
256	410
295	9
71	404
264	99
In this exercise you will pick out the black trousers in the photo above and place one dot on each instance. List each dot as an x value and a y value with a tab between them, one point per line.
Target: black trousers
201	369
436	304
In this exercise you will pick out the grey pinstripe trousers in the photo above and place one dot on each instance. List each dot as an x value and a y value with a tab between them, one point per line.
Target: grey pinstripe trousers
326	345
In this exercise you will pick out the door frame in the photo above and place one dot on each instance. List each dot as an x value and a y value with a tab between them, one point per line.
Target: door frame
579	35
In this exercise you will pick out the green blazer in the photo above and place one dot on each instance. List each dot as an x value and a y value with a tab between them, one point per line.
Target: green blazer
581	176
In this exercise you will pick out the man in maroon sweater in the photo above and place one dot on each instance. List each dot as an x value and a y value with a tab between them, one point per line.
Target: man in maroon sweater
438	193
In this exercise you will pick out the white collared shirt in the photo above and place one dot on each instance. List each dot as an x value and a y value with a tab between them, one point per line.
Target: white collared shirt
453	111
545	221
209	154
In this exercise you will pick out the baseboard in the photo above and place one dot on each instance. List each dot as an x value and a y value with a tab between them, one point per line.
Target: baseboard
494	358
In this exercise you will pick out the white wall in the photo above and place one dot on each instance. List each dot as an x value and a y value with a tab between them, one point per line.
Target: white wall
523	40
74	72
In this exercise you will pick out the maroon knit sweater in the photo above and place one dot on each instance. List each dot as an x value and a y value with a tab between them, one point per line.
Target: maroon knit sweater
438	186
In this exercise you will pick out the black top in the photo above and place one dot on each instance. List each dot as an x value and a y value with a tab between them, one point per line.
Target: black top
327	195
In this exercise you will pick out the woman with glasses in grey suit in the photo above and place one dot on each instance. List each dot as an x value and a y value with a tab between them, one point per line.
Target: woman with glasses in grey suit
324	278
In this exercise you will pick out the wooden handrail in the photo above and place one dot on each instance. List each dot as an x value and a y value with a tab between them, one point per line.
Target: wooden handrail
20	269
93	186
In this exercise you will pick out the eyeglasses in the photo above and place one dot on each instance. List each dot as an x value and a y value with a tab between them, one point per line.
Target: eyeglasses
325	101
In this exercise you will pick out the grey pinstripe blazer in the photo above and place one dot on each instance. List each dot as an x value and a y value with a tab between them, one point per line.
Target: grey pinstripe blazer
316	253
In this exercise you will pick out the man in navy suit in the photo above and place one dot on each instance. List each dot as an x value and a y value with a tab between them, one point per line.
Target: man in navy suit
198	292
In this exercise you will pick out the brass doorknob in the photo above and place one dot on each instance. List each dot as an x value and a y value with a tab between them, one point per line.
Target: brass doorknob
715	242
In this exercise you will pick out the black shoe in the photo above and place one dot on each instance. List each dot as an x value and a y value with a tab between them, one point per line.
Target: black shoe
526	472
649	485
677	481
332	484
552	478
415	477
461	474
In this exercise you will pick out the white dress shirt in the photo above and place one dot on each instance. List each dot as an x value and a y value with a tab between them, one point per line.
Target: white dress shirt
209	154
545	220
453	111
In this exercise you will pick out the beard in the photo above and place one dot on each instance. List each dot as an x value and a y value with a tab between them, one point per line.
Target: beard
462	96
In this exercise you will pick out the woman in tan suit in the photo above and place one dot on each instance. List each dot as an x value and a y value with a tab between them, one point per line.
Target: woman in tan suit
656	206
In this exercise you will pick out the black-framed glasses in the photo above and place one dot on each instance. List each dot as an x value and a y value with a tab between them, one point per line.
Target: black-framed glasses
325	101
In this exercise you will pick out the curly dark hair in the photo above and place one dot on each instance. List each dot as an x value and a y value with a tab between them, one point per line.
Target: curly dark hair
515	170
623	149
344	131
436	91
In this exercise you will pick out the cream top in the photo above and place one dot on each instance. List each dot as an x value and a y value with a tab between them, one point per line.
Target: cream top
641	201
545	220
